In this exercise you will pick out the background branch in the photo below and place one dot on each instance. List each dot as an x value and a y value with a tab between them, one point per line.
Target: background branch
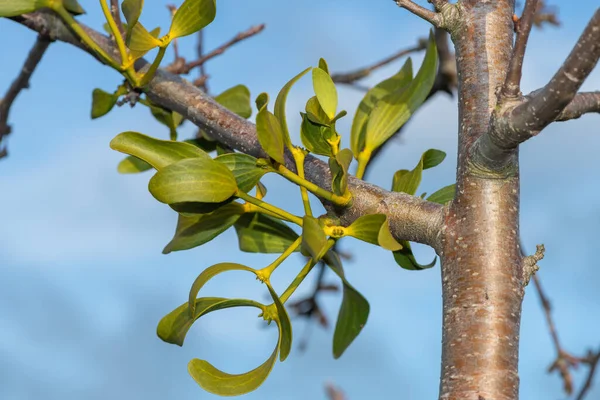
21	82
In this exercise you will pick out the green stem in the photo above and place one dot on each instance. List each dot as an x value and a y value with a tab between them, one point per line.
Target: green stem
253	208
70	21
269	207
299	157
265	273
155	64
318	191
363	159
304	272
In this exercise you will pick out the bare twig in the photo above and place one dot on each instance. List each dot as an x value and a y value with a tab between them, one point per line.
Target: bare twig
427	15
351	77
185	69
545	15
21	82
333	393
201	82
116	14
513	77
174	43
582	103
592	361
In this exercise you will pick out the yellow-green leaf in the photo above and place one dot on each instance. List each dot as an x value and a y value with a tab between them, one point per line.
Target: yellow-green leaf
323	65
279	110
408	181
406	259
382	89
70	5
140	40
132	9
237	100
393	110
202	180
196	230
374	229
315	112
262	101
270	134
132	165
314	136
158	153
283	322
12	8
247	174
314	239
260	233
192	16
325	91
102	102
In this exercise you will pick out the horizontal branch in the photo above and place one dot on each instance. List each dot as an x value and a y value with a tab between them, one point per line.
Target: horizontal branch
432	17
582	103
411	218
520	119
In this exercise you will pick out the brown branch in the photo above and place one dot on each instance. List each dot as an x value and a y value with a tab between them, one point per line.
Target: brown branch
512	85
519	120
201	82
429	16
21	82
185	69
592	361
411	218
333	393
351	77
116	14
582	103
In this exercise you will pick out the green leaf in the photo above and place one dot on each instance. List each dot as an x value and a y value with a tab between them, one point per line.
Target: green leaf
270	134
192	208
207	275
323	65
158	153
174	326
339	171
393	110
203	142
280	107
382	89
406	259
168	118
283	322
353	314
12	8
247	174
196	230
315	112
140	40
102	102
433	158
374	229
444	195
72	6
192	16
132	165
260	233
221	383
313	136
313	237
262	101
193	180
236	100
325	91
132	9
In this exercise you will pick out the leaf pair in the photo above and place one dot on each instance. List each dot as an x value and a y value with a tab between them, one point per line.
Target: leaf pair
387	106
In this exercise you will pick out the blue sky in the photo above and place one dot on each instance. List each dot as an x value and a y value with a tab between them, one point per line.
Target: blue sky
83	282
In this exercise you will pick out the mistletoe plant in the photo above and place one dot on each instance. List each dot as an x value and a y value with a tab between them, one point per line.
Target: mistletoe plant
212	194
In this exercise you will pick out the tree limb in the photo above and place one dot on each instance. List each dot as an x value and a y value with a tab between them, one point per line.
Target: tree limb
432	17
582	103
411	218
21	82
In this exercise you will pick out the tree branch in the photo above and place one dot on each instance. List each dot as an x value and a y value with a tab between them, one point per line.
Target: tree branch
21	82
521	119
582	103
411	218
432	17
512	84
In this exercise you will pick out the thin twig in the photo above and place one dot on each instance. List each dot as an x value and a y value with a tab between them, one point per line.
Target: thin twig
512	84
219	50
351	77
592	360
201	82
419	11
116	13
21	82
333	393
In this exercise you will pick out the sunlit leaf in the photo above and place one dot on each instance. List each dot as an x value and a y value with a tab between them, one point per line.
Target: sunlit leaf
314	239
244	169
193	180
279	110
102	102
237	100
132	165
158	153
283	322
192	16
132	9
140	40
270	135
196	230
323	65
339	171
325	91
433	158
408	181
262	101
315	112
382	89
373	228
393	110
444	195
260	233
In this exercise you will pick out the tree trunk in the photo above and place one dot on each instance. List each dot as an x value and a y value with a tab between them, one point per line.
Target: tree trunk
481	262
